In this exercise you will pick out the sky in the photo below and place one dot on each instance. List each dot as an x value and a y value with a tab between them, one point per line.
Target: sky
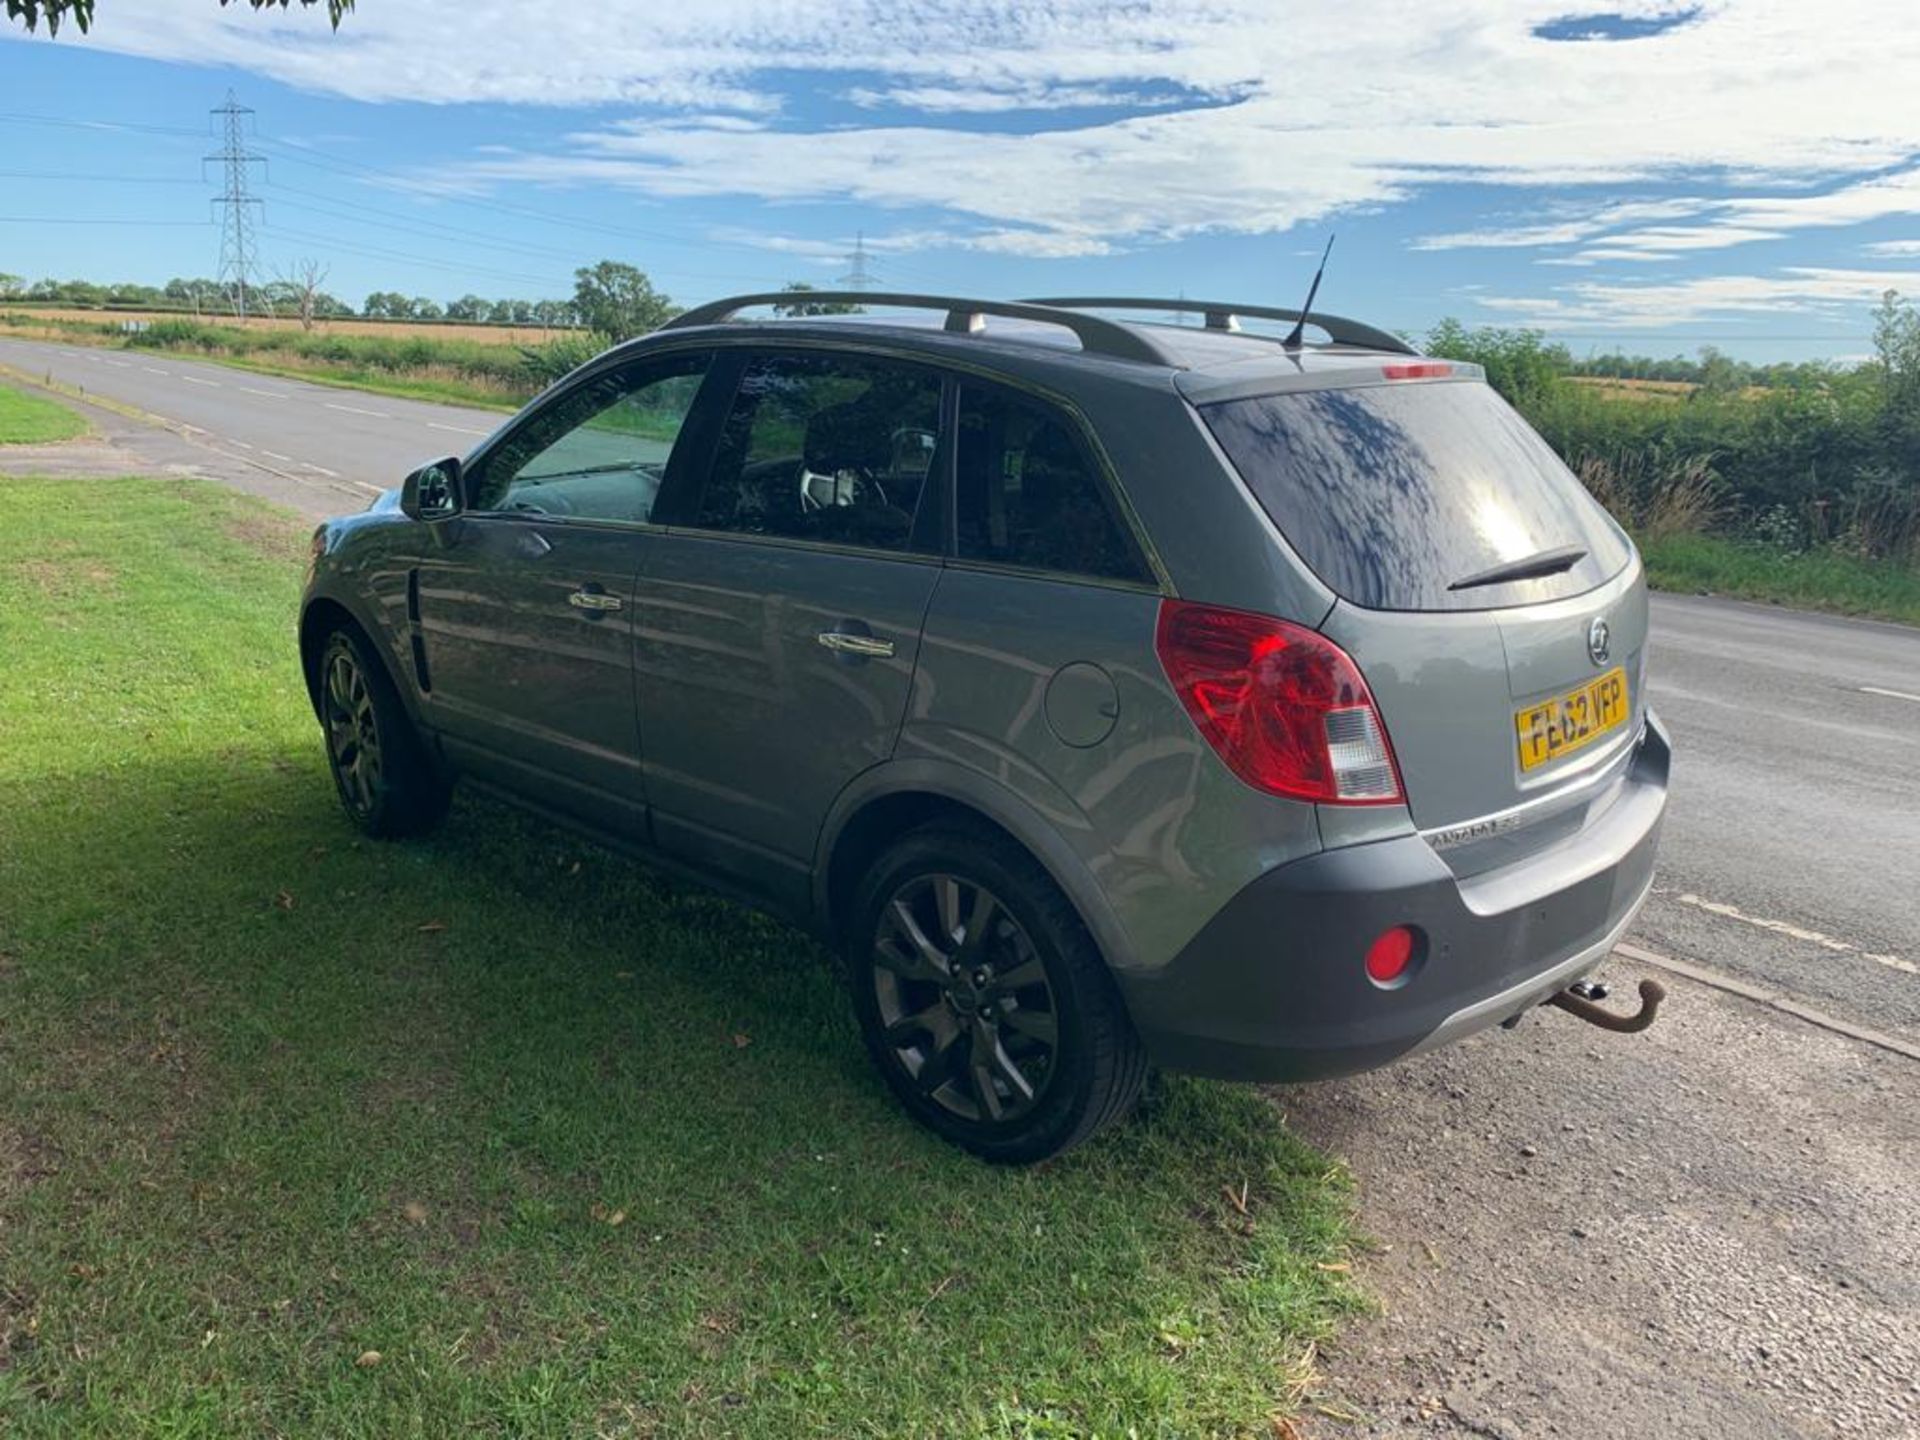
1645	176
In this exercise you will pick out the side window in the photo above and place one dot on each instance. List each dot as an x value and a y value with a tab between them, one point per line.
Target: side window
600	450
825	447
1030	494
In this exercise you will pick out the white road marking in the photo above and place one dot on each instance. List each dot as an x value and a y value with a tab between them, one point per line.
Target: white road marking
121	364
270	394
1773	999
1891	694
1797	932
308	464
151	370
275	454
370	489
196	380
356	410
456	429
241	443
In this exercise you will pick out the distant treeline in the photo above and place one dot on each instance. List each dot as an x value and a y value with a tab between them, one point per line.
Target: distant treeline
610	298
202	297
1796	457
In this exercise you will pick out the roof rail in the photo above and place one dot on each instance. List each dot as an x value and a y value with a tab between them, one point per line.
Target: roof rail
1097	336
1227	316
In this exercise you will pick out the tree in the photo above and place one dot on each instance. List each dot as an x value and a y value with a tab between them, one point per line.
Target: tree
11	285
811	307
1520	364
421	308
81	11
471	308
387	305
618	300
301	289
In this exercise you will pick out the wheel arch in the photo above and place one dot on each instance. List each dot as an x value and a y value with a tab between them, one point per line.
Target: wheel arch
323	615
889	800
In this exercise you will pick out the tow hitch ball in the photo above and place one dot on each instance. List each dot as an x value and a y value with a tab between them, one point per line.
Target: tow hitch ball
1581	999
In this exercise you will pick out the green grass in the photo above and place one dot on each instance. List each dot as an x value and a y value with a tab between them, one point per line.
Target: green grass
439	390
1815	580
33	420
575	1150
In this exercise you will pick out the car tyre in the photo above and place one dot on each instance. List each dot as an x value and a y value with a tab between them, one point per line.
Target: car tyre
983	999
387	782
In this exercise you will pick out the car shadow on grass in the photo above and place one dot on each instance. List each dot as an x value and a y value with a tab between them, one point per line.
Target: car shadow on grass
556	1138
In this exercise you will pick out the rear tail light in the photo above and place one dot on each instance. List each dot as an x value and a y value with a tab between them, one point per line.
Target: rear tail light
1283	705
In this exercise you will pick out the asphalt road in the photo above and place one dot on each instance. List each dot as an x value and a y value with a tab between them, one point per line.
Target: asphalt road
1702	1231
325	436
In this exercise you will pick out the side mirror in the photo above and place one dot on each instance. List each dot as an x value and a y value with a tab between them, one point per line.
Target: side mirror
433	491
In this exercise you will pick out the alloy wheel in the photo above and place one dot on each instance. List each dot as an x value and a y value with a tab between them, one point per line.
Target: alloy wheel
353	736
964	999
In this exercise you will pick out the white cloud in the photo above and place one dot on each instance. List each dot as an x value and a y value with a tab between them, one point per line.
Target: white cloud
1597	304
1724	222
1294	114
1894	247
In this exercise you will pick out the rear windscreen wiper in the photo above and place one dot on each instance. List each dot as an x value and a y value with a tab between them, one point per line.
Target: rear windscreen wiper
1547	562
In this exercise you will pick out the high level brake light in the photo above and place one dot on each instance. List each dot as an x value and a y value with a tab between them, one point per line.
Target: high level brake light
1283	705
1418	370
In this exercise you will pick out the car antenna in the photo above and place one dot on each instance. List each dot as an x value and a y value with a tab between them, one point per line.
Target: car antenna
1297	335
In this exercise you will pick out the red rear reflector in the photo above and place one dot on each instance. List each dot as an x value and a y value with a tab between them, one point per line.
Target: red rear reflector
1282	705
1391	956
1419	370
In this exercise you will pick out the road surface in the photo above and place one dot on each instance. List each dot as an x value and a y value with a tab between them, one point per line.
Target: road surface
1792	854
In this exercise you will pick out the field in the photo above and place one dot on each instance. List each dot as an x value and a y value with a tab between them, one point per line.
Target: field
494	1133
51	318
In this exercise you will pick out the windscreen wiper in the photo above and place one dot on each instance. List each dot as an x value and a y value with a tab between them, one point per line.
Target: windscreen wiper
1547	562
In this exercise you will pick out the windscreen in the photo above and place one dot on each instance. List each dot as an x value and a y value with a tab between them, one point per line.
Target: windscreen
1395	494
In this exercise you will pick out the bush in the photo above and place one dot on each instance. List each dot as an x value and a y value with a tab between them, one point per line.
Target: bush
560	356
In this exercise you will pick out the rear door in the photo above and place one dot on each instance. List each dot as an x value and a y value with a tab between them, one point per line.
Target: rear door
525	598
778	623
1496	610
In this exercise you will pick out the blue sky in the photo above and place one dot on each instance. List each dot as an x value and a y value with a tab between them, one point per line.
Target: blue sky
1646	176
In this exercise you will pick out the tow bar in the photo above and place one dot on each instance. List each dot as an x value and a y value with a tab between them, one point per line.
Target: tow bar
1579	999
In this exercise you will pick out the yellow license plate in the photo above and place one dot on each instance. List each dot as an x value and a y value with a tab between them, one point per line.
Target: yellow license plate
1563	724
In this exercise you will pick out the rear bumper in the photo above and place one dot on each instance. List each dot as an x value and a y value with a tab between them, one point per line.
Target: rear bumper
1273	987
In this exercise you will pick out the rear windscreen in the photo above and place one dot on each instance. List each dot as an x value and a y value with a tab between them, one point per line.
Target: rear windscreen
1393	493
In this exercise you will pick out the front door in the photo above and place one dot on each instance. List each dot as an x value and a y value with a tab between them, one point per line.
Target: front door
526	596
779	619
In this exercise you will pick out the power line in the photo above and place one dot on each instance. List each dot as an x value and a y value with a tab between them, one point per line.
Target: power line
376	253
240	215
15	117
89	220
65	175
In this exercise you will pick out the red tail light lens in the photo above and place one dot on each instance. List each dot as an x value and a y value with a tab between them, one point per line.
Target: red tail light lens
1283	705
1418	370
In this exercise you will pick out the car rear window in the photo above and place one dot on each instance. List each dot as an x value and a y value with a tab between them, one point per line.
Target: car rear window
1393	493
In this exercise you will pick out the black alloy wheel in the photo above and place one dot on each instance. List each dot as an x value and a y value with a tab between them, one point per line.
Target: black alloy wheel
984	1001
964	998
388	783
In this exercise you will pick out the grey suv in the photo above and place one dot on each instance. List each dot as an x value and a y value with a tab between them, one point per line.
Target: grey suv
1106	692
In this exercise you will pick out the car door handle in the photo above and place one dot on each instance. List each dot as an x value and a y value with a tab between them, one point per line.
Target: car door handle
871	646
595	601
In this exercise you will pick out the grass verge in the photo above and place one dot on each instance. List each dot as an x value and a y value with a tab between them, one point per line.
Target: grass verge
34	420
493	1132
1814	580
